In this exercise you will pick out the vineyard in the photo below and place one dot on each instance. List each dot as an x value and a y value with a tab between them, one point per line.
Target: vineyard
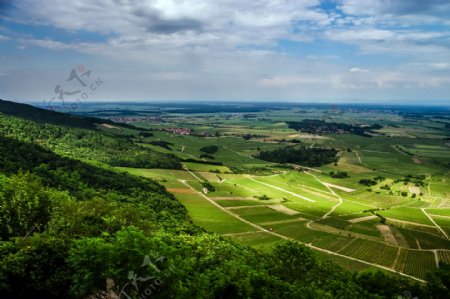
418	263
374	252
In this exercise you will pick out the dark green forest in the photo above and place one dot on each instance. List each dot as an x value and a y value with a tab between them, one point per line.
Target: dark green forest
315	126
300	155
71	227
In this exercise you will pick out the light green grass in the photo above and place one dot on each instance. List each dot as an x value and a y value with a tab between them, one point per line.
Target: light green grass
206	215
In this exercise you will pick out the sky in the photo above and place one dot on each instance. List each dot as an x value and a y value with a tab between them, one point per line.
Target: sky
371	51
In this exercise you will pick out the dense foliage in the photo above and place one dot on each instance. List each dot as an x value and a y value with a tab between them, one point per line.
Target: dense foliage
339	174
305	156
79	139
371	182
161	143
208	186
315	126
47	116
211	149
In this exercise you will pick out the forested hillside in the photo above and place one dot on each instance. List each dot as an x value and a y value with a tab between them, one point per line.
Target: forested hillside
28	112
78	138
68	227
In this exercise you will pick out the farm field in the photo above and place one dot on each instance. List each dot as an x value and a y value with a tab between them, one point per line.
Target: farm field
225	149
397	222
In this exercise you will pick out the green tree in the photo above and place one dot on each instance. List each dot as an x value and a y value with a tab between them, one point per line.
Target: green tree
24	206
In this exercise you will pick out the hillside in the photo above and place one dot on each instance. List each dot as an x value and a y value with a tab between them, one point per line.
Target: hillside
80	138
38	115
70	226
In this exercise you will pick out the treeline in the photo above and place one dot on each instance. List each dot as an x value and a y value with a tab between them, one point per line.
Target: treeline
34	114
87	144
315	126
81	180
311	157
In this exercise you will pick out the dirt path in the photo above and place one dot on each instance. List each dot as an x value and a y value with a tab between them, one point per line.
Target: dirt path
242	155
332	192
223	209
245	207
311	189
232	198
363	204
416	160
387	234
342	188
296	166
436	258
393	220
439	216
308	224
326	195
283	190
193	174
283	209
283	221
418	244
259	228
396	258
359	158
242	234
375	152
362	219
110	126
180	190
435	224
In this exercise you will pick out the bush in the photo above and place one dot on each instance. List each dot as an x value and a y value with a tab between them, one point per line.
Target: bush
208	186
211	149
367	182
207	156
339	174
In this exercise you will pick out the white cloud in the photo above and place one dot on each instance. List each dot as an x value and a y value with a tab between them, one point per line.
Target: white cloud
225	49
293	80
441	65
382	35
397	11
358	70
173	22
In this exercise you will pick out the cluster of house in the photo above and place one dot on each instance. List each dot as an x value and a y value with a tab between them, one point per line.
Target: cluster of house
178	131
129	119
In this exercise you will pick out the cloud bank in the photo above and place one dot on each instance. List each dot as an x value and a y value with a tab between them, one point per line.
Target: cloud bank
303	50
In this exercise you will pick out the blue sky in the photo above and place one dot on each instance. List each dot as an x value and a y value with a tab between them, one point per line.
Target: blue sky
391	51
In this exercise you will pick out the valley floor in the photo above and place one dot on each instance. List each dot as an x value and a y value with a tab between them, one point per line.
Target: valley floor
301	206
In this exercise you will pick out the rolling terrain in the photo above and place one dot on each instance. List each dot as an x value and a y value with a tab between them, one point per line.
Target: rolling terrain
191	189
388	212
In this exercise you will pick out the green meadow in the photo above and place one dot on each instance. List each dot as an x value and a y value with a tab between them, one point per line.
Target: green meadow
395	224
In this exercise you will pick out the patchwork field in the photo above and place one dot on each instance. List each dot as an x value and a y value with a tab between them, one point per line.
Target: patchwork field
383	204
